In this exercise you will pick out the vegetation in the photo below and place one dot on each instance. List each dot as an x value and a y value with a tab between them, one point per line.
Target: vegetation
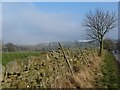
51	70
109	70
11	56
64	66
67	65
109	44
10	47
77	69
99	23
0	57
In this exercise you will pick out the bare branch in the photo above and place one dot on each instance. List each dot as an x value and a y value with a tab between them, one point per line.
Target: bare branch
99	23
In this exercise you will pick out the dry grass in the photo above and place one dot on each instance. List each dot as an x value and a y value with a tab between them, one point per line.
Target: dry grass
55	71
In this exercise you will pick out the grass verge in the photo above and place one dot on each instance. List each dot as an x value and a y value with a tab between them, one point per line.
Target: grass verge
109	70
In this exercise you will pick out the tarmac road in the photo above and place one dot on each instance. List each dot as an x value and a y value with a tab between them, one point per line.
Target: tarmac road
117	57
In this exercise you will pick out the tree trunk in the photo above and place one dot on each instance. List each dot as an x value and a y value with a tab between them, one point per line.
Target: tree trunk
101	48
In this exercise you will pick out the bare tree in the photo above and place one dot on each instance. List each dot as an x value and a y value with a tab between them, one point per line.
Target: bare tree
99	23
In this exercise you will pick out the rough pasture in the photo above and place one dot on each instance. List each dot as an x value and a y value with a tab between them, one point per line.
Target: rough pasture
50	70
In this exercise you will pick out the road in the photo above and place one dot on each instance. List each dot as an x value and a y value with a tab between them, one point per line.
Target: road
117	57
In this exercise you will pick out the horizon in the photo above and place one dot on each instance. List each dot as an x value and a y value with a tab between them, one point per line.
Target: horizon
41	22
86	40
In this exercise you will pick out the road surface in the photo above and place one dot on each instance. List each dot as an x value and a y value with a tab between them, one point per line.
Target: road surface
117	57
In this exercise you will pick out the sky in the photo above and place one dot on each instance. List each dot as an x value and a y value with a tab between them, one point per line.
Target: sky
41	22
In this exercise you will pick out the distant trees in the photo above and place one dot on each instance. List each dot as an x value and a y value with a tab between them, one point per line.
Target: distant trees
99	23
109	44
9	47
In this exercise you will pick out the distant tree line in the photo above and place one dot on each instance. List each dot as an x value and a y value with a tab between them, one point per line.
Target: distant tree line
10	47
110	45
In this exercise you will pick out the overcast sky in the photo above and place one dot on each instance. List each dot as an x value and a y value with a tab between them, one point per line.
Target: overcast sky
33	23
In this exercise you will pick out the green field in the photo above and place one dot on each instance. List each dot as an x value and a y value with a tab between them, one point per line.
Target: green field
10	56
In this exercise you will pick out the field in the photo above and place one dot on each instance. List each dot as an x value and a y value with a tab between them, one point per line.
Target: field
11	56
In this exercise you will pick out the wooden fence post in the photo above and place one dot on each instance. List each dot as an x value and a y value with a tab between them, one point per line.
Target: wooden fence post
67	61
